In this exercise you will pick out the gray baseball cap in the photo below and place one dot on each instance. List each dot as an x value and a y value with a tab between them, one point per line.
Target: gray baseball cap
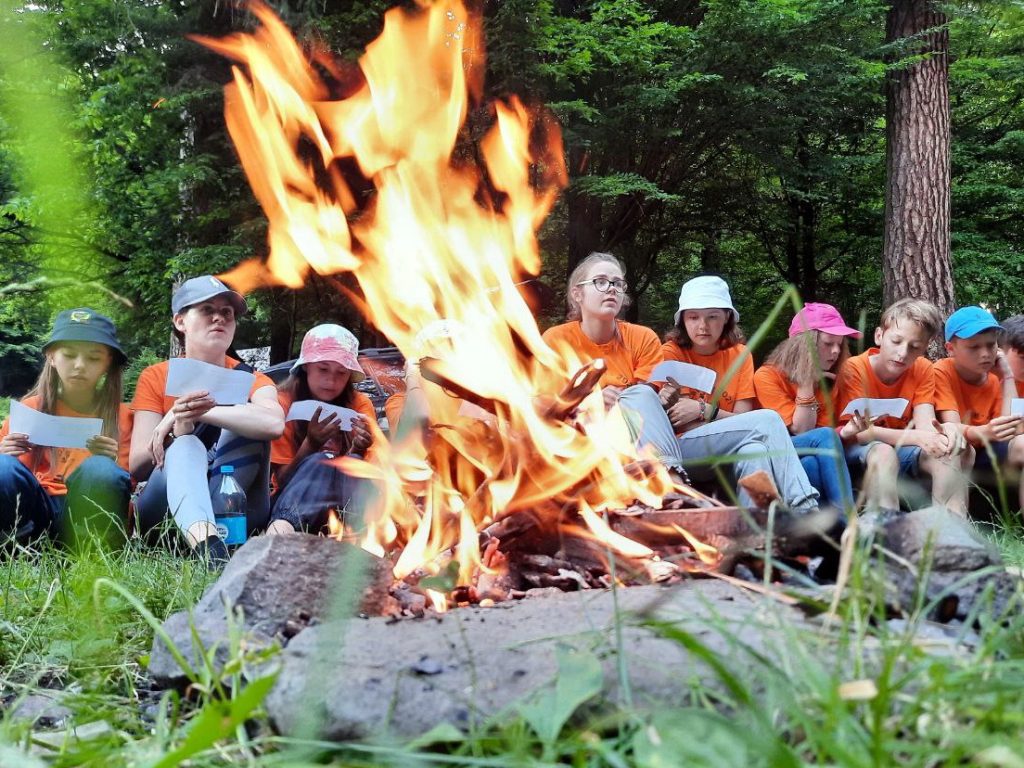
202	288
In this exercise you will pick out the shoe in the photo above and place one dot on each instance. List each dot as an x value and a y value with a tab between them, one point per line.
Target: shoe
214	551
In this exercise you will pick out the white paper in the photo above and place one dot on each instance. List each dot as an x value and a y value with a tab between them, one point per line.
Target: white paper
303	410
688	375
225	385
53	431
1017	406
878	407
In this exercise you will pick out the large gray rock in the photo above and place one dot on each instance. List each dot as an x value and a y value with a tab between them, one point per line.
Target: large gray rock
951	542
346	680
273	587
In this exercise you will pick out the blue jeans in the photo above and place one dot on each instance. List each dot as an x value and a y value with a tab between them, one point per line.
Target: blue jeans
752	441
96	503
316	487
821	454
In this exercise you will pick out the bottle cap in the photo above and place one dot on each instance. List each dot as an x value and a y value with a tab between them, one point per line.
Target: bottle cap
227	469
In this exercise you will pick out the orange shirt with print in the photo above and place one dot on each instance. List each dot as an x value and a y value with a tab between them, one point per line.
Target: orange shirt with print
630	358
150	391
283	450
741	385
777	392
976	404
858	379
52	478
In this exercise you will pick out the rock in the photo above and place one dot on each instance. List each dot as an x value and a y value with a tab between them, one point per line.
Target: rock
953	542
364	677
280	585
42	710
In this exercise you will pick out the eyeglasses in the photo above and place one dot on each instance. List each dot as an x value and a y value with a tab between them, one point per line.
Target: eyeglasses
603	284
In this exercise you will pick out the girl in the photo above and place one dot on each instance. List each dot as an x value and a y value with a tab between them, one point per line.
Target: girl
790	383
308	485
751	441
707	333
71	491
177	441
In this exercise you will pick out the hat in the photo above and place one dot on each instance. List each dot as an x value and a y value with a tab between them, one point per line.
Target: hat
705	292
199	289
821	317
970	321
84	324
426	340
330	343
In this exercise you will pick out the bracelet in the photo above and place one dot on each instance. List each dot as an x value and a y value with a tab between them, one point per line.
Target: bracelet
703	408
714	414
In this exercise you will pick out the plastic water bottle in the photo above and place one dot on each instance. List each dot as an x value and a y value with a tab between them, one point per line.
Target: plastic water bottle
229	508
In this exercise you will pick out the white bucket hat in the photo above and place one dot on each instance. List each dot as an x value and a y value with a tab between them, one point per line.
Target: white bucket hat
705	292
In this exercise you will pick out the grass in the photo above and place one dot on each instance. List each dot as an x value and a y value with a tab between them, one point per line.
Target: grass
58	630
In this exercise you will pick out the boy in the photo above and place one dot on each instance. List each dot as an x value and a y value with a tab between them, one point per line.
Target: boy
1013	349
915	441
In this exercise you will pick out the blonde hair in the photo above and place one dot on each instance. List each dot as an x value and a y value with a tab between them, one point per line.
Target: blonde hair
48	389
919	311
573	306
796	358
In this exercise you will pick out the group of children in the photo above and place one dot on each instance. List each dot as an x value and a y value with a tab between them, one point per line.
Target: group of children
789	418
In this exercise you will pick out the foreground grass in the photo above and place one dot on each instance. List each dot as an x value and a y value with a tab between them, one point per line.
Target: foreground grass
64	625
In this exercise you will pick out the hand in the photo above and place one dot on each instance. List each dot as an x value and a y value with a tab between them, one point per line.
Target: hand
669	394
855	426
955	434
935	444
101	445
322	430
828	376
611	396
1000	429
360	437
156	443
15	444
685	414
1002	366
188	409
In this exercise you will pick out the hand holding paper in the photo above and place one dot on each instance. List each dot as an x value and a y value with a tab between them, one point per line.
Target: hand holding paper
225	385
1017	406
53	431
303	410
877	408
686	375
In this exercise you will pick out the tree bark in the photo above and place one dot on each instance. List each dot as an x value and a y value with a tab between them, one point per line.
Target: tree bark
916	251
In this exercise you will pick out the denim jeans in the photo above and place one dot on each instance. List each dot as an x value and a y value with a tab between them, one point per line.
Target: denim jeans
96	502
757	440
822	457
316	487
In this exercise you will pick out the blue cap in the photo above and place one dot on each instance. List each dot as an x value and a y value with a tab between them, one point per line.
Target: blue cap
970	321
84	324
203	288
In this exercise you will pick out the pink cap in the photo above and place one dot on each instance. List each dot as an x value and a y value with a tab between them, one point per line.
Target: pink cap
330	343
821	317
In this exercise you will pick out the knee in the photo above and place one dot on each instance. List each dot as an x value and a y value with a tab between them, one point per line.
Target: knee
1015	451
883	458
102	469
12	472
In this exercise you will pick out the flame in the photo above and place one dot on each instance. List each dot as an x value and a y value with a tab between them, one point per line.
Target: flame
441	238
707	553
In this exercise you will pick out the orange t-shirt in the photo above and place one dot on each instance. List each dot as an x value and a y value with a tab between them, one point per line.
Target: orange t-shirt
777	392
976	404
1020	387
149	392
740	387
69	459
629	359
858	379
283	450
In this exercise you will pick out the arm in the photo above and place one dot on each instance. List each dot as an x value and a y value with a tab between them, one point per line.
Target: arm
743	406
805	414
140	458
259	419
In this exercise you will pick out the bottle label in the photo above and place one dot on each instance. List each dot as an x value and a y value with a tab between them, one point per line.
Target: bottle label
232	529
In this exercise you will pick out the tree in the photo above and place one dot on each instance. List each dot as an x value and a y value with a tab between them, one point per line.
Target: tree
916	253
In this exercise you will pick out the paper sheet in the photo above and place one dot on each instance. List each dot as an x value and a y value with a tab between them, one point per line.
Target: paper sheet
53	431
303	410
225	385
878	407
688	375
1017	406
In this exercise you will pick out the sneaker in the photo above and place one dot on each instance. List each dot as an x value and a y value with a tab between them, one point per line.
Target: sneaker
214	551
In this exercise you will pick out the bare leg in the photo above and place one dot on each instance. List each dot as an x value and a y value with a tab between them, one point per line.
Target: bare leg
949	480
880	477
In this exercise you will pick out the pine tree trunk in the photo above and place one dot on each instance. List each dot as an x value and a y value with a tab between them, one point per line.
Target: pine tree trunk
916	252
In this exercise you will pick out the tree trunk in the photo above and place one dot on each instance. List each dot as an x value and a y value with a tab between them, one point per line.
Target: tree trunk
916	254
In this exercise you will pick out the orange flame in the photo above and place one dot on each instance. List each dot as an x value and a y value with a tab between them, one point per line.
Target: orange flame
441	239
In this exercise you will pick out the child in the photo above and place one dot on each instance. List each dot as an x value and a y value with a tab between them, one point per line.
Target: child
975	385
750	441
71	491
178	442
707	333
308	485
790	383
915	441
1013	348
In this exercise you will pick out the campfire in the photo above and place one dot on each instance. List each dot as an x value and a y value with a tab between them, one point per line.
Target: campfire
538	485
